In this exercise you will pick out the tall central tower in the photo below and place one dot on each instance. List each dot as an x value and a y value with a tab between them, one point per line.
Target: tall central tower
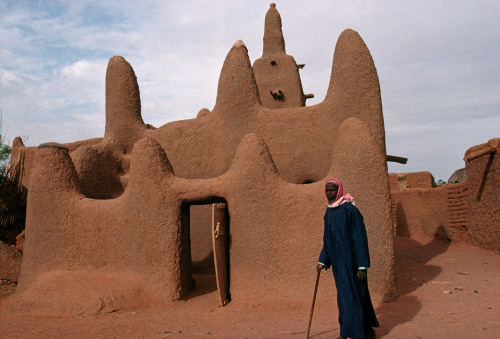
277	73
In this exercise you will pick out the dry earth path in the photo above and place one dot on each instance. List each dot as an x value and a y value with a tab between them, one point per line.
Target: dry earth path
446	291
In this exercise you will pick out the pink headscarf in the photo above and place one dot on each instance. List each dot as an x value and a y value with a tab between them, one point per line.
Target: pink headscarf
340	198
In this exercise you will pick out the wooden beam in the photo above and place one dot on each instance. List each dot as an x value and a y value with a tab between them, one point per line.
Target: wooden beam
393	158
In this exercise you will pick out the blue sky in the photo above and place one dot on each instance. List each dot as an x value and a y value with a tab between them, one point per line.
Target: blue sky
438	64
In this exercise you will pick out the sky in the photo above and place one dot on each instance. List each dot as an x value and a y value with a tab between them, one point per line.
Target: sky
438	64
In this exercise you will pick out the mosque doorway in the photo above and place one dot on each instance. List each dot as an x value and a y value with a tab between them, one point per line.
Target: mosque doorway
209	243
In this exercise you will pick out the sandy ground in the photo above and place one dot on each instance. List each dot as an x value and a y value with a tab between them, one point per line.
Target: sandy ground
446	291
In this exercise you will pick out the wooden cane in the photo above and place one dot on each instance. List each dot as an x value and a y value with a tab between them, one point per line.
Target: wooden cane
312	306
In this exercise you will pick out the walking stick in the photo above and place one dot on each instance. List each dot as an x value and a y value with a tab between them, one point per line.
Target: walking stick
312	306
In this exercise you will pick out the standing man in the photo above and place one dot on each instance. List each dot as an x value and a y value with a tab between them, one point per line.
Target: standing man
345	249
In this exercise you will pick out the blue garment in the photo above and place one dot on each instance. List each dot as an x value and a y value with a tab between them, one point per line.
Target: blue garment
345	249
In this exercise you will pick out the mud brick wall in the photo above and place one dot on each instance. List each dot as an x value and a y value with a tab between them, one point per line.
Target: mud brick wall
468	211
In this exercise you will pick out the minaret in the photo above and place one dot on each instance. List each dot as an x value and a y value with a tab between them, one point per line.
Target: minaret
276	73
273	36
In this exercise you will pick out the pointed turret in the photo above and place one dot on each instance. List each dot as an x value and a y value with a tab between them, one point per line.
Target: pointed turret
237	91
354	86
149	164
54	174
253	162
124	124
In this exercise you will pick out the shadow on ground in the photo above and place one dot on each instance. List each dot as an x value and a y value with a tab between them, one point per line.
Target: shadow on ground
412	271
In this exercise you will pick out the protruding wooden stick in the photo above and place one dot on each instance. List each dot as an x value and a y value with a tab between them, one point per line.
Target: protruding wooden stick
394	158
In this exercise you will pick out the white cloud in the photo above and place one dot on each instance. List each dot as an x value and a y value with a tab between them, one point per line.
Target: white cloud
437	63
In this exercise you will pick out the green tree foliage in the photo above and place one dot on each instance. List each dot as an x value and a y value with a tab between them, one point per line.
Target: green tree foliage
12	194
4	152
4	148
12	201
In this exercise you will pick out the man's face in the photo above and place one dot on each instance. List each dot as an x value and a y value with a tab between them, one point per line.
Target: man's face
331	192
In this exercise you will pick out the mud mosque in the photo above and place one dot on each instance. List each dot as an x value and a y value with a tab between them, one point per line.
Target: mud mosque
133	216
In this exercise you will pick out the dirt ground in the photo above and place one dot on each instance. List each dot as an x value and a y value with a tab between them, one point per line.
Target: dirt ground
447	290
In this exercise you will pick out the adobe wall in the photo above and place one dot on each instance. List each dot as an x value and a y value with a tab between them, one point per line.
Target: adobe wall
399	181
468	211
133	247
27	154
439	212
113	208
483	175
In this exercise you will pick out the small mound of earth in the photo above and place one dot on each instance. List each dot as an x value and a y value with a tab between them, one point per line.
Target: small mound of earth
72	292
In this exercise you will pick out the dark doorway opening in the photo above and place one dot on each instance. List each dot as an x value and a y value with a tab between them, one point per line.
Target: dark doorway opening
207	223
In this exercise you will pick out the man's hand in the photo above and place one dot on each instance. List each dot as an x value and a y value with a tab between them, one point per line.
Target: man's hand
320	267
361	275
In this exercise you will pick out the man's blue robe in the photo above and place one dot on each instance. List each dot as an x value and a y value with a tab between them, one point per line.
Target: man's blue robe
345	248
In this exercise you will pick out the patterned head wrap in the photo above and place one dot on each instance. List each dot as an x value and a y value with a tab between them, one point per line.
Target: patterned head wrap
341	197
